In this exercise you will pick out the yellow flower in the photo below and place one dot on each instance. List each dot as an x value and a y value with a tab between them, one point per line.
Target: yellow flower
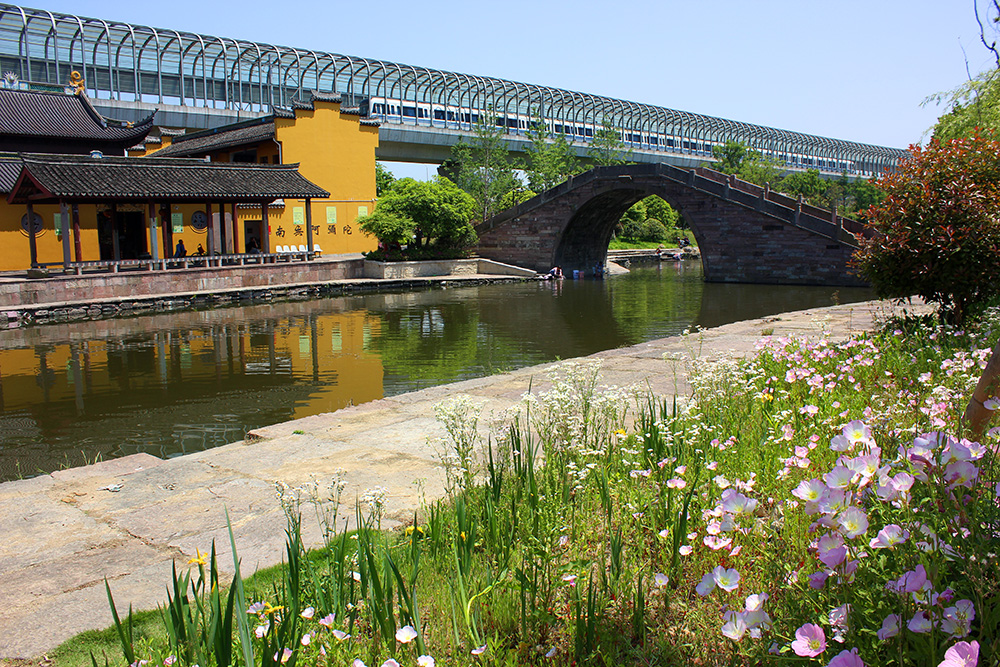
199	558
268	609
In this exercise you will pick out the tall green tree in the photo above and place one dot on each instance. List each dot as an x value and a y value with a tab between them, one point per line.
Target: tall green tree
483	167
551	159
422	213
737	158
383	179
607	148
974	104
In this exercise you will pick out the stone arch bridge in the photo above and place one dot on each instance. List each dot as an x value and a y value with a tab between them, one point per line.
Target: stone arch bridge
745	233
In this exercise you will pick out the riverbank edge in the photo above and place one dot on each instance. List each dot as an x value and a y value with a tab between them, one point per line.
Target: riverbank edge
129	520
65	311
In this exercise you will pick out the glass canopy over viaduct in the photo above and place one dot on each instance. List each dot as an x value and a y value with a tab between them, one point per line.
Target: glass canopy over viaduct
130	64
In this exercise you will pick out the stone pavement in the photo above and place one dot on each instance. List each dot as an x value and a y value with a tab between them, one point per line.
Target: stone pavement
129	519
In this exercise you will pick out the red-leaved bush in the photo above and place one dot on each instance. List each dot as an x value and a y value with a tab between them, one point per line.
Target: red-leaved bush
937	232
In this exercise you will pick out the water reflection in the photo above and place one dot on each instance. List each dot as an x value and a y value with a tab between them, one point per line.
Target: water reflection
173	383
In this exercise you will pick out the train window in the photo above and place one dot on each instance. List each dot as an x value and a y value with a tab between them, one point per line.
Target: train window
410	112
439	114
670	142
589	132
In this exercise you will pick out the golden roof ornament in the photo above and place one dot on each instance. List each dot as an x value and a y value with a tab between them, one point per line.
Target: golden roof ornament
76	82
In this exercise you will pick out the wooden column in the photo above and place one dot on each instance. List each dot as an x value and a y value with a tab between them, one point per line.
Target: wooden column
236	231
115	245
211	226
154	240
265	230
32	246
309	228
78	250
64	229
217	232
166	231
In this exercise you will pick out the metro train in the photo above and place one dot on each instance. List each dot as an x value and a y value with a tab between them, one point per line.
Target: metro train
421	113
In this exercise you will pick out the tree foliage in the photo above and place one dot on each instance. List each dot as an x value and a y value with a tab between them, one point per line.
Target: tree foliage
851	197
483	168
747	164
550	159
423	213
937	233
649	219
974	104
607	148
383	179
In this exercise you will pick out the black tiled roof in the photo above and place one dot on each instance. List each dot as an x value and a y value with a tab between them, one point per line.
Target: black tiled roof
53	116
228	136
10	167
83	178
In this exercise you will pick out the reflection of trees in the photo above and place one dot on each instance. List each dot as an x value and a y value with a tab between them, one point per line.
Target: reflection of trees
430	343
647	308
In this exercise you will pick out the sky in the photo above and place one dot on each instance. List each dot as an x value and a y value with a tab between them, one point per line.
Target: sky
847	69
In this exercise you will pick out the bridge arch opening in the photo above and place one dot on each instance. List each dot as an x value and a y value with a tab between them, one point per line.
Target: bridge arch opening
585	238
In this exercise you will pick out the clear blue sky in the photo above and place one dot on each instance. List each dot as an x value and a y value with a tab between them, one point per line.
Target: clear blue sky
849	69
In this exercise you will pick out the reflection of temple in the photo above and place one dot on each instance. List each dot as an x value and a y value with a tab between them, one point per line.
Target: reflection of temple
202	382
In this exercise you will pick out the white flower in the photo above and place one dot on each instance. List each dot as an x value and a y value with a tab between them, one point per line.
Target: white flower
406	634
425	661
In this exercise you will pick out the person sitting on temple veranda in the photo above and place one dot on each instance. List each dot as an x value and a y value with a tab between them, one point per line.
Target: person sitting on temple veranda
180	250
200	251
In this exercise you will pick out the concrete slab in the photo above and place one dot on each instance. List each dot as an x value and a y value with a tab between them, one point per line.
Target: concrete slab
129	519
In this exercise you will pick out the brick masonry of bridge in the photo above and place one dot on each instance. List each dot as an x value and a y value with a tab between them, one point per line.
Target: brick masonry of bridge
745	233
130	519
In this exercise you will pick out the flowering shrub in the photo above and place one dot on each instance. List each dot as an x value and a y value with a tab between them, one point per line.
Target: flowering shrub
815	504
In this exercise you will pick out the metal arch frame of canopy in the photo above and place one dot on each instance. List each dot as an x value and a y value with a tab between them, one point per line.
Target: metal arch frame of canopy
244	75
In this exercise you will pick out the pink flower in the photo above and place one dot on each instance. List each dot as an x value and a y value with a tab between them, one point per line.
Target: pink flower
920	623
890	627
889	537
810	641
726	579
853	522
707	585
957	620
962	654
838	478
735	627
847	659
911	581
809	490
832	551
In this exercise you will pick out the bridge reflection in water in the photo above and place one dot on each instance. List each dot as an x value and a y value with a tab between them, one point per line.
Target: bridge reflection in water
169	384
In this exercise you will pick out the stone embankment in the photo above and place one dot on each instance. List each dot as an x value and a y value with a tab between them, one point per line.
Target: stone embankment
98	295
129	520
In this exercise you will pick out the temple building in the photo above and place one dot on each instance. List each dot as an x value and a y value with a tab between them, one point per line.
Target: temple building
295	180
334	148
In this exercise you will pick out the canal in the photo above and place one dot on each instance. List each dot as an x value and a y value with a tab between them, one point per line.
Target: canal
173	383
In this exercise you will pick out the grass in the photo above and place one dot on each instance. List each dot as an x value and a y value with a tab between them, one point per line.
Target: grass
629	244
605	526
